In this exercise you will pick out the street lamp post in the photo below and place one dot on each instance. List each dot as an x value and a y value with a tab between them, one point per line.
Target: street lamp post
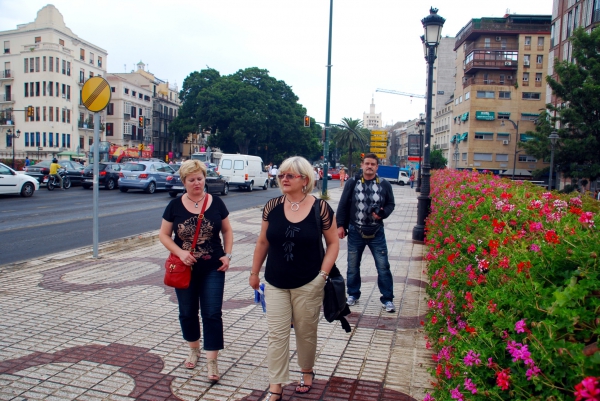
327	106
421	125
12	140
516	126
553	139
432	24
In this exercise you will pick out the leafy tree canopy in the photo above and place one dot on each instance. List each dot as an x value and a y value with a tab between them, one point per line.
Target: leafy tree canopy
437	159
578	86
248	112
351	135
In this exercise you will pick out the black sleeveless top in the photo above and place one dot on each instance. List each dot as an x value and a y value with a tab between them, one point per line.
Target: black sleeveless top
293	259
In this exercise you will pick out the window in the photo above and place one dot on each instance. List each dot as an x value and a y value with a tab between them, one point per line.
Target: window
50	138
57	62
486	94
91	58
526	59
38	39
81	76
37	139
61	42
482	157
68	140
540	59
44	88
503	95
238	164
140	96
527	158
525	77
27	139
7	47
467	95
64	116
133	112
109	129
64	90
44	63
26	89
486	136
527	40
68	92
44	118
456	102
82	54
37	64
552	35
51	116
64	67
64	140
464	157
538	77
99	61
26	65
569	23
57	120
127	91
44	138
486	42
112	89
31	66
126	129
133	93
68	116
500	157
37	114
68	68
50	86
4	170
540	42
460	99
110	110
531	96
50	63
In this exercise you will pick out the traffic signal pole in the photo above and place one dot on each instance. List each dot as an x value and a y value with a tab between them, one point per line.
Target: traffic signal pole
327	104
95	182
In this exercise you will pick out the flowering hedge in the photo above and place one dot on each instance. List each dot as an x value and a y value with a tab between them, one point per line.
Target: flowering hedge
514	291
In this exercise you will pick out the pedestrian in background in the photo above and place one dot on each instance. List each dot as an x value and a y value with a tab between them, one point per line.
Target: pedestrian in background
295	273
364	204
209	262
27	161
412	179
342	177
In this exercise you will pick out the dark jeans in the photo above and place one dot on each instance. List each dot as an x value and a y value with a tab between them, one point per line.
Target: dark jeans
378	247
205	294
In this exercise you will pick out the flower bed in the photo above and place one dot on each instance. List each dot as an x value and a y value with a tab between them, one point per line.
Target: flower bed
514	293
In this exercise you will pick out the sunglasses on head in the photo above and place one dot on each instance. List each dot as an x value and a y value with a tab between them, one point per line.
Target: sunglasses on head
289	176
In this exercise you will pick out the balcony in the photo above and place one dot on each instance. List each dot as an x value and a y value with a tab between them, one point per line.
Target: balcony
494	81
85	124
511	25
478	64
5	74
496	46
7	98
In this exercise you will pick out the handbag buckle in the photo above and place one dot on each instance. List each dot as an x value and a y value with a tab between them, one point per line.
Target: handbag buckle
171	267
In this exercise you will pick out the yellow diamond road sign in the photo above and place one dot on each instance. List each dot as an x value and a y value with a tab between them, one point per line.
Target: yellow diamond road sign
95	94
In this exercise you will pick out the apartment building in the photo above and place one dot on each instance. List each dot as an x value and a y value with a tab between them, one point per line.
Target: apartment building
44	66
567	15
372	120
129	113
165	106
500	89
444	73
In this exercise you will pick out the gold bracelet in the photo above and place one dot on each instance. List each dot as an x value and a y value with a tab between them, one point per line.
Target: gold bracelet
253	274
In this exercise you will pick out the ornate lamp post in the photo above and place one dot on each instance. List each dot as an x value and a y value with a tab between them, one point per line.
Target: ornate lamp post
553	139
421	125
432	24
327	105
12	140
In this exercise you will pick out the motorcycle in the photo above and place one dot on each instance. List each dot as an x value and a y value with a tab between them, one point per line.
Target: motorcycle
52	182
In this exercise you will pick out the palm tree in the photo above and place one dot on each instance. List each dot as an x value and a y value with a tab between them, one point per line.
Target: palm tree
352	135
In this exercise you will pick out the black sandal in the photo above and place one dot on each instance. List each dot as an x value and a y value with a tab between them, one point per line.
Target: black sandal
305	385
270	393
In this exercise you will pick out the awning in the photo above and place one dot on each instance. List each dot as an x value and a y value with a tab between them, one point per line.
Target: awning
525	137
530	114
503	134
503	114
518	172
464	136
485	115
72	154
453	139
465	116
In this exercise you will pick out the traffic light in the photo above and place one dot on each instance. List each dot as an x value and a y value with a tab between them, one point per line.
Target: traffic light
362	156
307	121
141	122
30	111
141	146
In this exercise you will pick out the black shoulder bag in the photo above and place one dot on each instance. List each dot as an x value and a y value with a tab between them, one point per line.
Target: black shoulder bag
334	300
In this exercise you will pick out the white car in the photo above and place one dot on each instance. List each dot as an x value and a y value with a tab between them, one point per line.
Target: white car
12	182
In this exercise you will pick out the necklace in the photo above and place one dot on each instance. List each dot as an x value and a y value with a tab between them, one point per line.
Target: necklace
296	205
196	203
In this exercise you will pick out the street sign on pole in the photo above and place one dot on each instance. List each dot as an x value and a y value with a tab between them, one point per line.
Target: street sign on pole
95	96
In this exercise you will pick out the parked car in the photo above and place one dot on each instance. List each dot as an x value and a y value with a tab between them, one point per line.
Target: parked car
41	169
145	175
215	183
108	175
12	182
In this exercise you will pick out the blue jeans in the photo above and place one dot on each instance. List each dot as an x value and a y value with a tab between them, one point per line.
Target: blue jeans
412	182
205	294
378	247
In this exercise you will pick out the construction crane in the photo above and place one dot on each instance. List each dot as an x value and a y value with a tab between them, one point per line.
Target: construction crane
400	93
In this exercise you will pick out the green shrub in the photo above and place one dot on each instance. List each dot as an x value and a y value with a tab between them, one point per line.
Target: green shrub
514	293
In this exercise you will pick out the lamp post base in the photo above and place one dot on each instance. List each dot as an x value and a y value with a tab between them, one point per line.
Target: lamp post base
418	233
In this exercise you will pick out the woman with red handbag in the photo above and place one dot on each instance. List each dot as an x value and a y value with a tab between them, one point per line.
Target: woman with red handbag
209	260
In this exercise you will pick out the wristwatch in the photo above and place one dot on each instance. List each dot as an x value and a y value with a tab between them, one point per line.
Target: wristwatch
229	255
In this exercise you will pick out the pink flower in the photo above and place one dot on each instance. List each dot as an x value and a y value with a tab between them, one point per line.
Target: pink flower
533	371
588	389
534	248
520	326
456	394
472	358
470	386
587	218
490	362
428	397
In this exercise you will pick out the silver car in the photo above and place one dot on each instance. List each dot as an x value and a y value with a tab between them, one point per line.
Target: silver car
145	175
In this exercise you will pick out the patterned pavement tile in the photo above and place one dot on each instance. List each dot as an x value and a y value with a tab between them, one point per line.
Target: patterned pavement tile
78	328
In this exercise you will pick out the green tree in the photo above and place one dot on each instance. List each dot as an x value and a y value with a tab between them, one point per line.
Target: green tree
248	112
351	136
578	86
437	159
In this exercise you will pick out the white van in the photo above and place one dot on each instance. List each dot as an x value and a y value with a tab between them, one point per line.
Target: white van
243	171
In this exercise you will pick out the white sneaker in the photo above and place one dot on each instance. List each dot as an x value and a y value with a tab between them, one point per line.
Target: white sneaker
388	306
351	301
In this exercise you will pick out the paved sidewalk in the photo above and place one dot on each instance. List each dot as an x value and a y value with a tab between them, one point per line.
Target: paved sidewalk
77	328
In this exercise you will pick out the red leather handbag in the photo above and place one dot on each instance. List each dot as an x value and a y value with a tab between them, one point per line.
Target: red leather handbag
178	274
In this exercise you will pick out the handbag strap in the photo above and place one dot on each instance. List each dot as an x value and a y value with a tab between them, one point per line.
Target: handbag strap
317	207
200	219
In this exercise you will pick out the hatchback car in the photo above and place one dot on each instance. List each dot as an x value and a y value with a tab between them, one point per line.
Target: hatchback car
12	182
145	175
108	175
215	183
41	169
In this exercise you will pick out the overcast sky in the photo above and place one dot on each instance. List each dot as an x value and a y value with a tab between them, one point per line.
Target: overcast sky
375	42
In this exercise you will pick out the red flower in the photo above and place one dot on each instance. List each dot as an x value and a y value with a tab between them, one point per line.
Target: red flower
503	379
552	237
523	265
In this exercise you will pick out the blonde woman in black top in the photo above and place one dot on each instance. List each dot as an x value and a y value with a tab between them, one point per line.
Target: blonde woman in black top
295	273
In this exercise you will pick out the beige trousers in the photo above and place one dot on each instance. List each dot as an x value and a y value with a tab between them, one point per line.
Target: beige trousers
303	307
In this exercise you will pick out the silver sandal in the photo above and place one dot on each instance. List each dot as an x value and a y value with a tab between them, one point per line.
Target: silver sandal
192	360
213	370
